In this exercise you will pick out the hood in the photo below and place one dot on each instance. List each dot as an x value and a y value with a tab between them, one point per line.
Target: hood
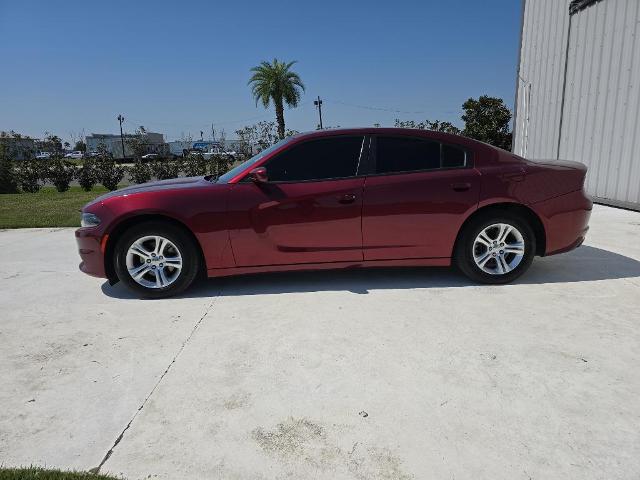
171	184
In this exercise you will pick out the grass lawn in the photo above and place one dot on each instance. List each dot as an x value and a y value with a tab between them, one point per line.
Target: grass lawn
35	473
47	208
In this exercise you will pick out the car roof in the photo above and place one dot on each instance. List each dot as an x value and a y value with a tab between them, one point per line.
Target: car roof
484	153
414	132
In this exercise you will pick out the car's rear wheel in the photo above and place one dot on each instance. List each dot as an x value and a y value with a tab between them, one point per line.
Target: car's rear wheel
495	248
156	259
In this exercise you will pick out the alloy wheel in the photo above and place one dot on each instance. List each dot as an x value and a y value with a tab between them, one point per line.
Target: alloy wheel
154	261
498	249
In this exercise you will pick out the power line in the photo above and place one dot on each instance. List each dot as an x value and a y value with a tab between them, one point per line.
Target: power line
198	125
381	109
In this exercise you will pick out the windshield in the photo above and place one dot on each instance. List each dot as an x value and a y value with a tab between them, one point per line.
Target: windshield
253	160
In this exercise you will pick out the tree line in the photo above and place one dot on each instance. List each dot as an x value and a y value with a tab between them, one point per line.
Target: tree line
31	174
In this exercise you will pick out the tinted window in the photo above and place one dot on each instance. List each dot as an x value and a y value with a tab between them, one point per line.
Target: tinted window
398	154
335	157
452	156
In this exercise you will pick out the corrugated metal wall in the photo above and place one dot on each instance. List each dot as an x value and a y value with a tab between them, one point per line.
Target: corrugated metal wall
540	78
598	124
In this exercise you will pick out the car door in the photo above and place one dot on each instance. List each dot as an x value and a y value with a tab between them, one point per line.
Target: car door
417	198
309	210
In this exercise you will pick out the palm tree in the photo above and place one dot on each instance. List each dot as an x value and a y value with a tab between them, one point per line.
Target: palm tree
275	82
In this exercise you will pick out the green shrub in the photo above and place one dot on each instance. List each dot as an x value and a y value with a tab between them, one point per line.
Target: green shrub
87	175
31	174
195	166
219	165
8	182
165	168
60	173
140	172
108	172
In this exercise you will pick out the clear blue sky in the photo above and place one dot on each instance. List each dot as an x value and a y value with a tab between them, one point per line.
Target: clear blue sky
177	67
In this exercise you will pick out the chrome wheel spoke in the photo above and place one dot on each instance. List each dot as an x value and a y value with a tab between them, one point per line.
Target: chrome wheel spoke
161	244
504	232
483	259
140	271
161	279
175	262
139	250
503	266
484	239
517	248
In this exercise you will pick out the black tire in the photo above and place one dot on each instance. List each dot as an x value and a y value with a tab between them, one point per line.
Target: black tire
464	254
182	241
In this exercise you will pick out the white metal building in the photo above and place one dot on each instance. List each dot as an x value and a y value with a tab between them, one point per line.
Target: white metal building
153	142
578	91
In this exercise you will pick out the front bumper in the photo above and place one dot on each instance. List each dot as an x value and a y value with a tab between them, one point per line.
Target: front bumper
566	221
91	242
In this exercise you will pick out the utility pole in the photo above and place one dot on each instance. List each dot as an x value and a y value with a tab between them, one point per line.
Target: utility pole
318	103
121	119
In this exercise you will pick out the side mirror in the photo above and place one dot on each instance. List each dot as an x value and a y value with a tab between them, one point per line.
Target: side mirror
259	175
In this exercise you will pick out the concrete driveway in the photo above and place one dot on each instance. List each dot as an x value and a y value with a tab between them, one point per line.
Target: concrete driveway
380	374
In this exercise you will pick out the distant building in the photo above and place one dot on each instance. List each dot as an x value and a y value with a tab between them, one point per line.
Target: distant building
578	92
153	142
17	147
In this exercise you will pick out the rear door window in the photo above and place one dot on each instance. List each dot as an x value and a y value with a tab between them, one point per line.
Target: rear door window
407	154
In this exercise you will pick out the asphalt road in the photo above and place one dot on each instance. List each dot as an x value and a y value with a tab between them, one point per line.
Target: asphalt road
379	374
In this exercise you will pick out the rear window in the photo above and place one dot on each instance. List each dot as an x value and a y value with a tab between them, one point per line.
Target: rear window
406	154
453	156
397	154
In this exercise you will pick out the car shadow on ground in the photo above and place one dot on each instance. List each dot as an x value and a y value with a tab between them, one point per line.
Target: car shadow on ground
582	265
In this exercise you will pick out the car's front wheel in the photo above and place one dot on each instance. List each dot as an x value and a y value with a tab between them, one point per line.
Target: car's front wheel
495	248
156	259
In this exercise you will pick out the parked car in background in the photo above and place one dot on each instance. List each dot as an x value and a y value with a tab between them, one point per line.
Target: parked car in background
341	199
75	154
191	152
231	155
43	155
150	156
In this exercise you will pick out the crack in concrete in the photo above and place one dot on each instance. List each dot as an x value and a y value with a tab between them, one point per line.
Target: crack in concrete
96	470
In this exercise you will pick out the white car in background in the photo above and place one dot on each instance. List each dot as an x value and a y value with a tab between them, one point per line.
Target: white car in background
219	152
43	155
74	154
150	156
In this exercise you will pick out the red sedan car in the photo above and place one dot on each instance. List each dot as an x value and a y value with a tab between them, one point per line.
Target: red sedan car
336	199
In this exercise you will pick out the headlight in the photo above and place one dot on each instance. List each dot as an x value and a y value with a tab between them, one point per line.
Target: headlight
89	220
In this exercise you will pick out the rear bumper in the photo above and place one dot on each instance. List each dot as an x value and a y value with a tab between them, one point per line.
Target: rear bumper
566	221
90	243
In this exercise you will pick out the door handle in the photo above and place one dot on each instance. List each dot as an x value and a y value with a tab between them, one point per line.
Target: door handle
461	187
347	198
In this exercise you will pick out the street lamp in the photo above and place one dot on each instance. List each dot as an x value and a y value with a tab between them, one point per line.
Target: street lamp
121	119
318	103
